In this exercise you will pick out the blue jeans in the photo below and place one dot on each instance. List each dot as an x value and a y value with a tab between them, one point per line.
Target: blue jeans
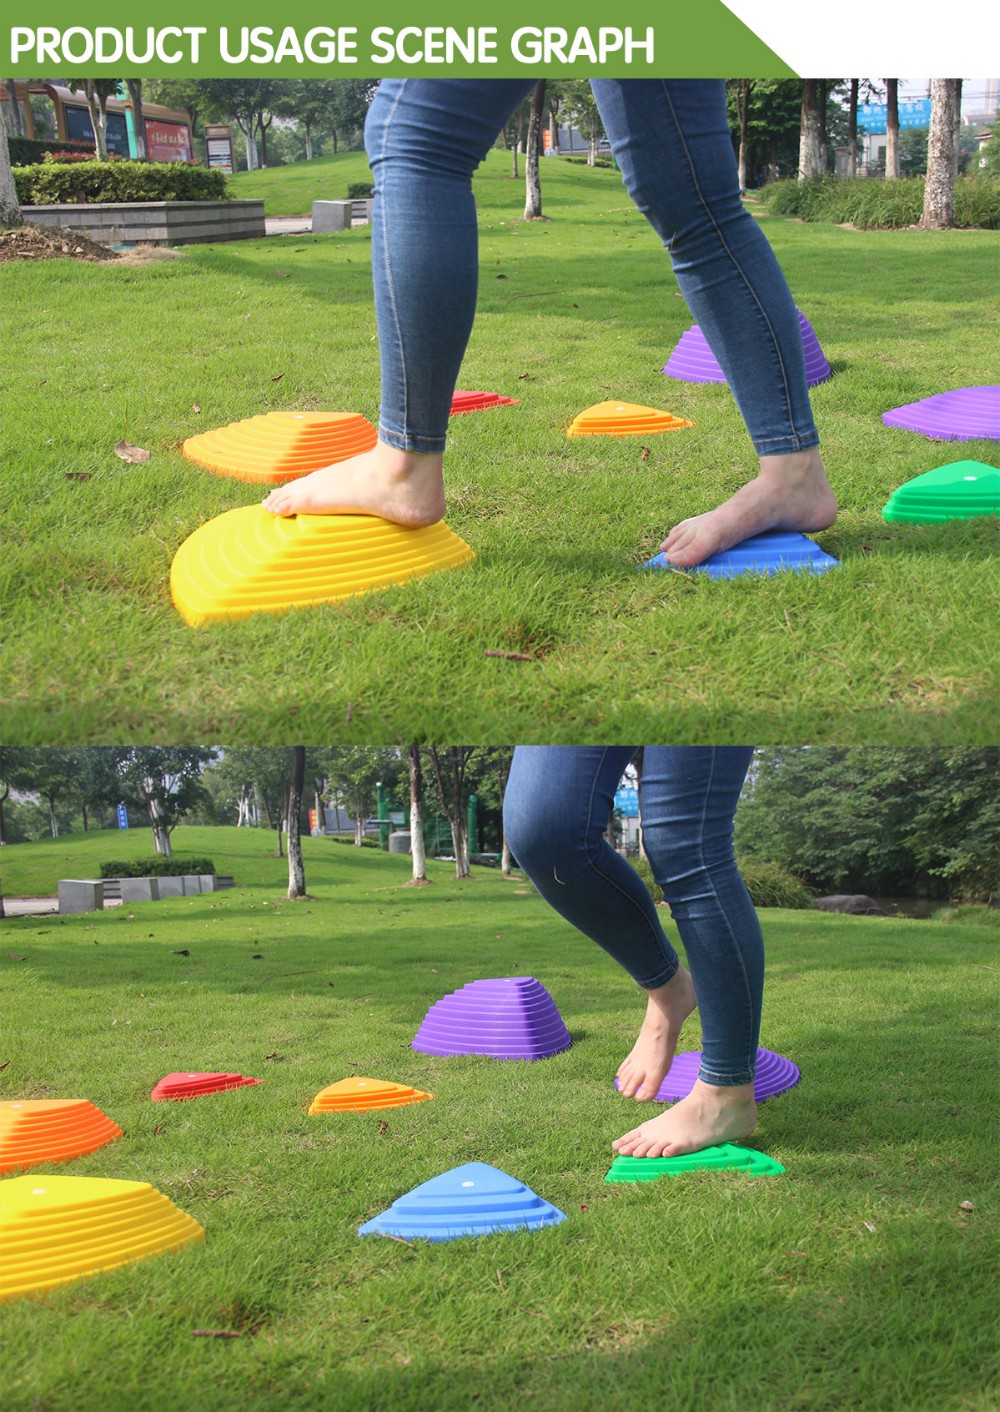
556	808
426	137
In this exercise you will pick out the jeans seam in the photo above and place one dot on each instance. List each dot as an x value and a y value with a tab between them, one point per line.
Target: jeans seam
386	267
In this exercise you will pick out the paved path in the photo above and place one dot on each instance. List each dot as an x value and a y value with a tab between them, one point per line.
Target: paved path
40	906
288	225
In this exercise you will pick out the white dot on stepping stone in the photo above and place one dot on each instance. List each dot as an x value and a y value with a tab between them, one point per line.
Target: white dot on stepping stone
38	1191
15	1105
970	477
468	1184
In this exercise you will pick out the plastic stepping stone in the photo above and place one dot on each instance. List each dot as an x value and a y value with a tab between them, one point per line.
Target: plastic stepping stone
473	1200
180	1086
57	1229
511	1018
624	419
961	415
37	1130
727	1156
463	402
249	561
774	1073
775	552
960	491
362	1095
693	361
280	446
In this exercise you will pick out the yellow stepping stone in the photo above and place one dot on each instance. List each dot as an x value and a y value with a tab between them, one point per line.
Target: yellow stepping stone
57	1229
279	446
249	561
36	1130
362	1095
624	419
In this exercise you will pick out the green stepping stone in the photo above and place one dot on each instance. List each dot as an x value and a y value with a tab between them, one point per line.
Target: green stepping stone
726	1156
958	491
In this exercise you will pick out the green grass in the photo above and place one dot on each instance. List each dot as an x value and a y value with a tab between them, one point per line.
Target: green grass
854	1281
291	190
898	643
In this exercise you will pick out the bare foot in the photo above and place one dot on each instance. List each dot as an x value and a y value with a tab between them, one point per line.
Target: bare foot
709	1115
791	493
647	1065
403	486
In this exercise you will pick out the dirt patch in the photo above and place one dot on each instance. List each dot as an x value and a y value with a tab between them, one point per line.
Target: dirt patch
30	242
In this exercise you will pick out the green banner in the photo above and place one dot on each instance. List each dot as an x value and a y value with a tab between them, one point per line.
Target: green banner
429	38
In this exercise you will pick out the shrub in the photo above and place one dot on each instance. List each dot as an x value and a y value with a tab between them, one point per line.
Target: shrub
597	162
349	838
75	183
768	884
32	149
156	867
360	191
881	205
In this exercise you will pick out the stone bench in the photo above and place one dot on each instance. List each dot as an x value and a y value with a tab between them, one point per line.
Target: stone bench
81	895
340	215
90	894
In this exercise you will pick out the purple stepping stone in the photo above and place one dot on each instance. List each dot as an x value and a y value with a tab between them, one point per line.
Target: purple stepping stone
693	361
962	415
511	1018
774	1075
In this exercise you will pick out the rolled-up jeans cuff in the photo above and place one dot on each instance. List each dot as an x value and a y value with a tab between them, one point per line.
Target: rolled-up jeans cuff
407	441
786	445
725	1080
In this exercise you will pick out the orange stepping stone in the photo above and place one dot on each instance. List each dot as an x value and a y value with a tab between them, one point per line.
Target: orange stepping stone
178	1086
361	1095
36	1130
280	446
249	561
479	402
624	419
57	1229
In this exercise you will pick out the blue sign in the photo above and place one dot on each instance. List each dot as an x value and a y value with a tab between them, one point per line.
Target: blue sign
627	801
122	817
874	117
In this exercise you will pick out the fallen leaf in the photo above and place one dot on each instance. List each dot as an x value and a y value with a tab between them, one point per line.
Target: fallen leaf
185	952
4	1064
501	276
869	1226
257	957
278	377
273	1055
383	1128
215	1333
78	475
14	957
966	1206
157	1130
510	656
348	713
645	454
584	1206
282	274
195	407
135	455
42	383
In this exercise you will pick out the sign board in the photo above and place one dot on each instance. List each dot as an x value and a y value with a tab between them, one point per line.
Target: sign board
219	147
122	817
627	801
168	142
874	117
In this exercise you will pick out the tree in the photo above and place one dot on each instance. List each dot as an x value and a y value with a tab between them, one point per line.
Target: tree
420	878
812	155
580	111
354	773
740	90
134	86
892	129
164	780
532	155
942	154
97	92
95	782
10	207
296	866
247	102
257	773
451	764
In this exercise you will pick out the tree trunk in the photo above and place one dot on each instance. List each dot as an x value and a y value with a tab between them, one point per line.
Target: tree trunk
309	143
16	116
10	209
53	821
83	811
554	131
281	849
134	86
592	150
942	154
460	844
532	176
296	866
811	163
852	131
892	129
97	119
161	833
743	109
417	814
2	798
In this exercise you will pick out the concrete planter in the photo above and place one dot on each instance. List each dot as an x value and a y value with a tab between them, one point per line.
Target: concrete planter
140	889
171	887
340	215
155	222
80	895
207	881
192	884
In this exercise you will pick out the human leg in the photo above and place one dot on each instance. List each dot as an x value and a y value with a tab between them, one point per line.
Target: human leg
688	800
425	138
556	808
672	142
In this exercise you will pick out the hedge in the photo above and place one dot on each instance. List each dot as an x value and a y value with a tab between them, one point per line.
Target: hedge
872	204
360	191
32	149
156	867
768	884
75	183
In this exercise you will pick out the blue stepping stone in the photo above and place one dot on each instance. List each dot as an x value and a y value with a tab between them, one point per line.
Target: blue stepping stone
774	552
473	1200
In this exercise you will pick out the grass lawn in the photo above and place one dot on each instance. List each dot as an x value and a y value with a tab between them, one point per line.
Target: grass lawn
899	642
856	1280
